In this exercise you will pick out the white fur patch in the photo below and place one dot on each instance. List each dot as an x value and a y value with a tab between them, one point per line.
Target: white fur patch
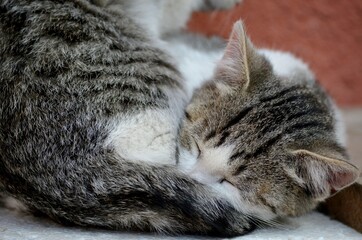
150	135
195	66
147	136
157	17
287	65
212	164
234	197
210	167
187	160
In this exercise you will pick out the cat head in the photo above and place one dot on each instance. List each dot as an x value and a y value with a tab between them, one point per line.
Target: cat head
266	140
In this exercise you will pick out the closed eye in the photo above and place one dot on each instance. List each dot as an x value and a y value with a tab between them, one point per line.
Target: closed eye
197	147
240	169
224	180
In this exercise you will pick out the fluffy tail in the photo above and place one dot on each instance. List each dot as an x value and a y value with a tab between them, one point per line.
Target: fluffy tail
117	194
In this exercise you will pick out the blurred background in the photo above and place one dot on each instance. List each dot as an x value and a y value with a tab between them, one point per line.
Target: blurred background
325	34
328	36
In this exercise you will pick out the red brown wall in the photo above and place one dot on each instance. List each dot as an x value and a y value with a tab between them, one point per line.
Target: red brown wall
326	34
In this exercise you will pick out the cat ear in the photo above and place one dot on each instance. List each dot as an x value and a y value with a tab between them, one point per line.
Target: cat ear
323	176
234	68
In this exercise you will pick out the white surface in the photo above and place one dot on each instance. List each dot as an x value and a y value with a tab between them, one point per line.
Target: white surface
314	226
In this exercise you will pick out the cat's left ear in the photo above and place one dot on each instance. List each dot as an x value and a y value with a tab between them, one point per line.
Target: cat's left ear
323	176
239	60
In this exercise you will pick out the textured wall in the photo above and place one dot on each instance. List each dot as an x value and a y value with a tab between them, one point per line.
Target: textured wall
327	34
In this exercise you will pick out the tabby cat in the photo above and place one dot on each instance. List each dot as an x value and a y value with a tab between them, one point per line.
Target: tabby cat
90	117
264	134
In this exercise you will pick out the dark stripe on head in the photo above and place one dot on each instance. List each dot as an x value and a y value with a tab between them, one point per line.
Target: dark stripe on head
223	138
240	169
237	155
309	112
187	115
311	124
280	94
210	135
265	146
237	118
288	100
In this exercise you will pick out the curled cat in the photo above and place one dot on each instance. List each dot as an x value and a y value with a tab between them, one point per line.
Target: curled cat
90	117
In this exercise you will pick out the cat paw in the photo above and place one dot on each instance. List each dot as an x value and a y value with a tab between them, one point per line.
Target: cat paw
222	4
238	227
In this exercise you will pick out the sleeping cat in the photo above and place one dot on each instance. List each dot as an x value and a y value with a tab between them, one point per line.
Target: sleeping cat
89	128
263	133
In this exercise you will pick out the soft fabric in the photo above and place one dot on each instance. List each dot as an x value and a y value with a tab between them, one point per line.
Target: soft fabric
14	226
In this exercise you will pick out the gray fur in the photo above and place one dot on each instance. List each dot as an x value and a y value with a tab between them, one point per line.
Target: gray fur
69	70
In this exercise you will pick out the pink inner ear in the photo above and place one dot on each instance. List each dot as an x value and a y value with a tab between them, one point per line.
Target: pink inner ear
340	179
232	51
233	45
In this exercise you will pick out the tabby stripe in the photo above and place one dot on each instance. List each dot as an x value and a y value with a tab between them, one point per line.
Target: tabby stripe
265	146
210	135
309	125
177	154
223	138
240	169
167	65
237	155
279	94
309	112
291	99
237	118
246	110
187	115
264	201
152	62
297	115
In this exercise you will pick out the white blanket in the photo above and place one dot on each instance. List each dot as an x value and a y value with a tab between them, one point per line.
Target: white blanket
314	226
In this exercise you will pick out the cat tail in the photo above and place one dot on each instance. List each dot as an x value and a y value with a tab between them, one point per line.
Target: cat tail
125	195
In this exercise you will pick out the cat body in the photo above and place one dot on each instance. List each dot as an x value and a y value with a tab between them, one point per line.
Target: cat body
87	105
91	133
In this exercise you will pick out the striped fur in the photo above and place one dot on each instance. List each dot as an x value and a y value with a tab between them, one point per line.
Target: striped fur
80	87
285	156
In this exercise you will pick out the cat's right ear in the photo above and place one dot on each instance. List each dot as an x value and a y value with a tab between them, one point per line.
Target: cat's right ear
234	69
